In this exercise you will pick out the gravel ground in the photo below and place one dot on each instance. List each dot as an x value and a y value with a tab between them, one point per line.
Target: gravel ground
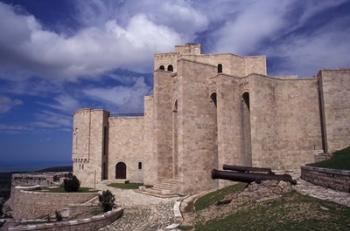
144	218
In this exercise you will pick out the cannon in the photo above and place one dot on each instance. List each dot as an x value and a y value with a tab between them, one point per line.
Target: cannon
247	169
249	177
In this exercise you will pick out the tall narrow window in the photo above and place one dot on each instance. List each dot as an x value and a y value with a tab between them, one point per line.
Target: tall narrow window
219	68
140	165
170	68
246	130
105	140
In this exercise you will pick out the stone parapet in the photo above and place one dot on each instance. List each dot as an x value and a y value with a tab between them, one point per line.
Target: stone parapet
87	224
34	204
331	178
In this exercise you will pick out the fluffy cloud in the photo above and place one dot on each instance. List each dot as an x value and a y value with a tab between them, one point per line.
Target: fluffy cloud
7	103
123	99
91	51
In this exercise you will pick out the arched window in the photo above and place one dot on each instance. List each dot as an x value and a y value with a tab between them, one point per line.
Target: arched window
219	68
120	170
175	106
245	98
170	68
213	98
162	68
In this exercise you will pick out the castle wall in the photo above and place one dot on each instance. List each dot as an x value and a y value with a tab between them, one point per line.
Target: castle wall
232	64
197	127
229	121
285	122
126	145
163	85
335	95
88	144
150	174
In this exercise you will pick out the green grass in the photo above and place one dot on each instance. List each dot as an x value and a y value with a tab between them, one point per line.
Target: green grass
293	211
339	160
213	197
126	185
61	190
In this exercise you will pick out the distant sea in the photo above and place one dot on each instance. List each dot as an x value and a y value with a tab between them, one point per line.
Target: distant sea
24	166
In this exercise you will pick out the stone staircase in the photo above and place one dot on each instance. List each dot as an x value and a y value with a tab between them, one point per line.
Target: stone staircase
165	189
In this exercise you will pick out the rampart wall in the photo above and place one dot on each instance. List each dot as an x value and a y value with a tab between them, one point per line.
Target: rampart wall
33	204
126	145
335	95
197	127
285	122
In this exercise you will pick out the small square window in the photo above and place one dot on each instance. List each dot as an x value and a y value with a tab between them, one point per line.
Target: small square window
140	165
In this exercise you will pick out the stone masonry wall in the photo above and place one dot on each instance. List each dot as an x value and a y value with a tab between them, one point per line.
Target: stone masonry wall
151	164
33	204
285	122
163	84
330	178
335	96
88	144
197	129
126	145
87	224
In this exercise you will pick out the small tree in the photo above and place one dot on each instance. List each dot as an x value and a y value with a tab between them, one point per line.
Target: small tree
106	200
71	184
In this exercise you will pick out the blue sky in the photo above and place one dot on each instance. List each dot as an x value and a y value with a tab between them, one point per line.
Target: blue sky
57	56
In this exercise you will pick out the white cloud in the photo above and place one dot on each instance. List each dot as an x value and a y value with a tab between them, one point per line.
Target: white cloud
65	103
7	103
121	98
327	47
92	50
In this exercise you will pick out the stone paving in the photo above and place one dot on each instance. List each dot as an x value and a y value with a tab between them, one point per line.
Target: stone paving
142	212
130	198
319	192
144	218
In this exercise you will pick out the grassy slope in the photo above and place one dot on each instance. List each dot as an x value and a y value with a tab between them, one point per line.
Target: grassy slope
61	189
211	198
339	160
291	212
126	186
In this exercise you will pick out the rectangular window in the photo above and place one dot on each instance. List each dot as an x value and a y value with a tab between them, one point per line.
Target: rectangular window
140	165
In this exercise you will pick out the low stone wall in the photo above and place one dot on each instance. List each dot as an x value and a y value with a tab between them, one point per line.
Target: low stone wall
33	204
87	224
331	178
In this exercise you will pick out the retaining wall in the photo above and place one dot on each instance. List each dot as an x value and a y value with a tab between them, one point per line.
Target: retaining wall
93	223
331	178
32	204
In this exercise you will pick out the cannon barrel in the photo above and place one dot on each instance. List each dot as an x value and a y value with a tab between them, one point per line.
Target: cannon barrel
247	169
249	177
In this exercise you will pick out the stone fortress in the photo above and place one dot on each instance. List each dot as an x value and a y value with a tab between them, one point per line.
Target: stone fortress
211	109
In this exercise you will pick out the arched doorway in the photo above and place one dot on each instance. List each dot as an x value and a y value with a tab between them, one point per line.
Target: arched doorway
120	170
170	68
162	68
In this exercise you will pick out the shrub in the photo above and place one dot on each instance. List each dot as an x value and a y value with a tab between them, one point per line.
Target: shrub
71	184
106	200
58	216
